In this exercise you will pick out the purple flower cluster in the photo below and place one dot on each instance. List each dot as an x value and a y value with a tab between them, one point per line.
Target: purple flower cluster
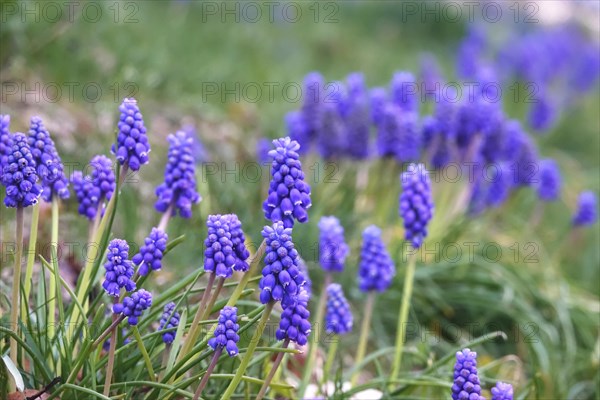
295	324
226	335
169	320
398	134
133	306
502	391
224	248
356	116
586	213
19	174
92	191
132	145
333	249
416	203
549	181
49	165
281	274
403	91
119	269
376	269
151	252
338	317
289	194
179	187
466	382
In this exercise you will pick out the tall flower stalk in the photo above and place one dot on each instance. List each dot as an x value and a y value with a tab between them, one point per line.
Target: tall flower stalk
280	283
375	274
416	209
339	322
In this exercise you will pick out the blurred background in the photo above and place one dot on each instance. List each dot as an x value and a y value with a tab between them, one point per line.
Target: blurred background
230	71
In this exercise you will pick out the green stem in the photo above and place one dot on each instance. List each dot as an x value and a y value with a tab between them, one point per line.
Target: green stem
314	342
111	358
14	311
208	372
142	348
249	352
35	217
402	319
274	368
213	298
193	332
54	276
329	363
364	335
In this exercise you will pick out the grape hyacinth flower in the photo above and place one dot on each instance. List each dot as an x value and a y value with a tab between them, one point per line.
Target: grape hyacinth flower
331	137
132	145
499	186
378	98
119	269
49	165
226	335
4	141
151	252
198	150
133	306
19	174
466	382
338	318
295	324
403	89
92	191
281	274
520	150
85	191
179	188
586	209
376	269
289	194
388	131
416	203
169	320
238	239
357	118
313	89
542	114
549	181
225	248
103	177
333	250
502	391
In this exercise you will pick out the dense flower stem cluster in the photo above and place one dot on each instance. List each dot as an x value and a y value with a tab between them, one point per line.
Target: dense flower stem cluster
169	320
151	252
502	391
119	269
225	335
281	275
178	192
338	319
289	194
19	174
586	213
333	249
376	268
133	306
466	381
416	203
49	165
132	145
